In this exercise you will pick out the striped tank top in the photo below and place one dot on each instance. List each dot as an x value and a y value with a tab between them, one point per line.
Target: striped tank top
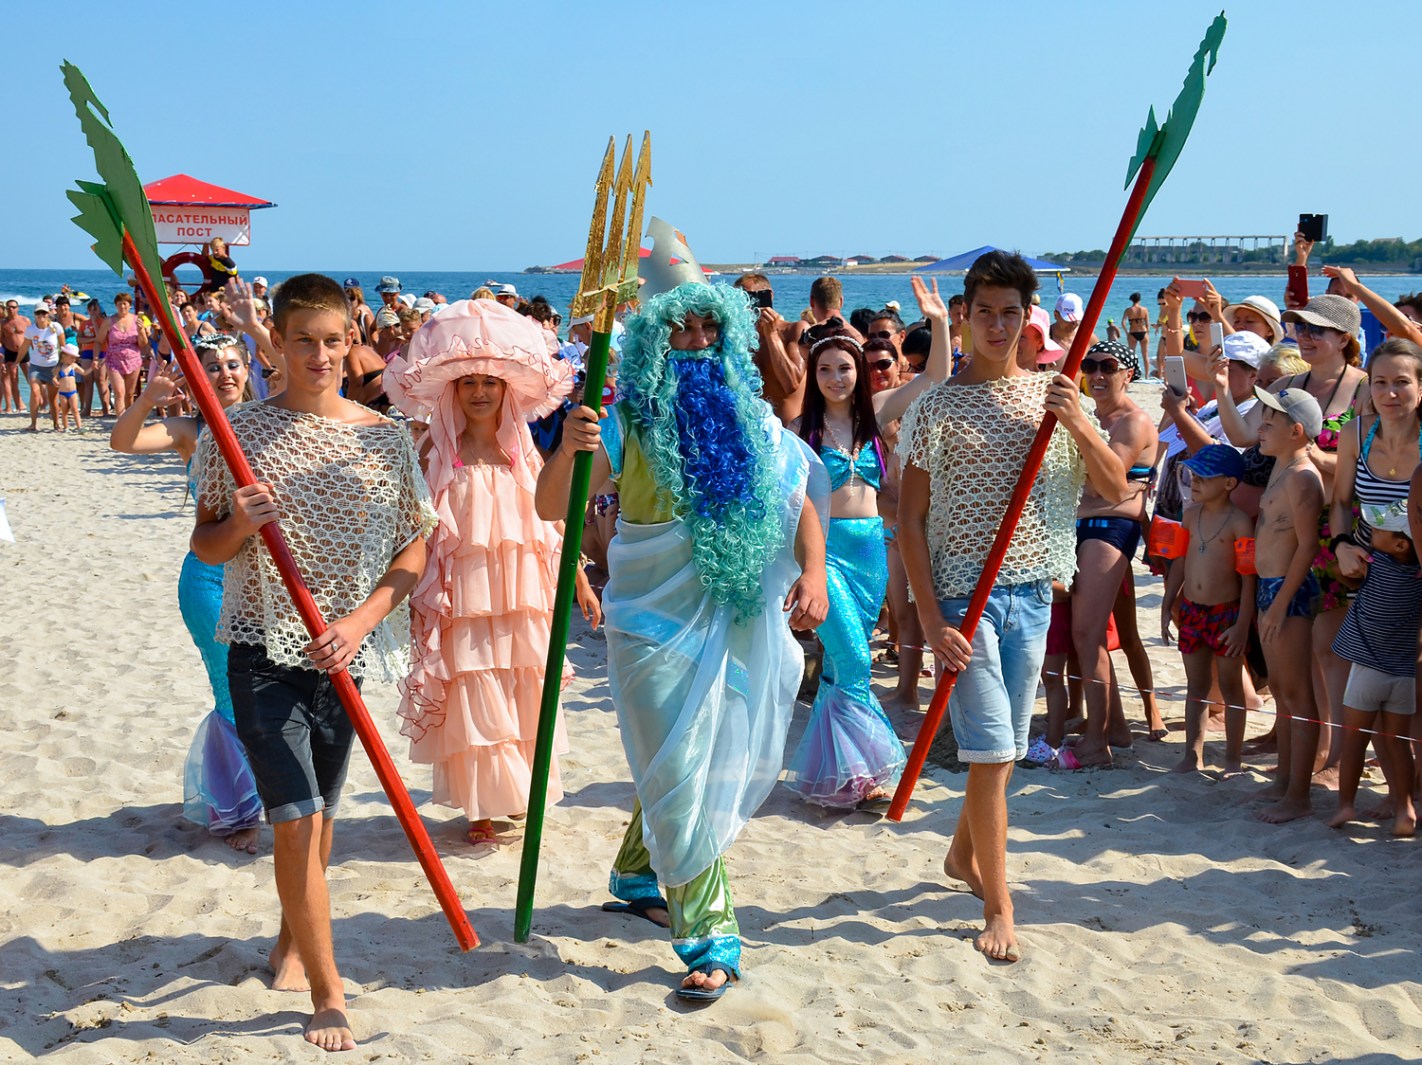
1380	629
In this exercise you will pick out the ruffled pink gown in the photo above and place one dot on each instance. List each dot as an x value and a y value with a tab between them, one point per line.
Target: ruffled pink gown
479	642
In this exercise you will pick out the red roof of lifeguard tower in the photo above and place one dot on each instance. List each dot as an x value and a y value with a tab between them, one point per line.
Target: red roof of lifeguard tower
182	190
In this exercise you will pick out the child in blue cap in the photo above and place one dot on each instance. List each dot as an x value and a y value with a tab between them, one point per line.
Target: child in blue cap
1212	603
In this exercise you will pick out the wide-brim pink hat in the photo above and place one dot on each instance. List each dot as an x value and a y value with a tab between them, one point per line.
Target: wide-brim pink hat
479	337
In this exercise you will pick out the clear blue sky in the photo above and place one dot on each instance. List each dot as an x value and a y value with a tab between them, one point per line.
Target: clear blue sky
458	136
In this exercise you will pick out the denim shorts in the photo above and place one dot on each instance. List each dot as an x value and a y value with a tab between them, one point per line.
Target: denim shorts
991	706
295	731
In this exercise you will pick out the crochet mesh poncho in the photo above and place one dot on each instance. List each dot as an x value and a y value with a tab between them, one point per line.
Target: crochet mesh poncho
971	440
351	498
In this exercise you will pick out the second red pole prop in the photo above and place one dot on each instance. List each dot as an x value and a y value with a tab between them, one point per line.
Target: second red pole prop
938	706
215	420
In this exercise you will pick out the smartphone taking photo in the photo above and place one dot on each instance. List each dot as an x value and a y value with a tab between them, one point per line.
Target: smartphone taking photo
1314	227
1175	375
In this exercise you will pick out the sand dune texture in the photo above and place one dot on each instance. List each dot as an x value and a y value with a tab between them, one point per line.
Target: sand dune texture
1159	921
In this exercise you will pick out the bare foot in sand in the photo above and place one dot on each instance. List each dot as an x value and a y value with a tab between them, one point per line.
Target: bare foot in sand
964	872
903	703
1092	756
1233	767
1381	812
999	939
1327	777
330	1030
288	974
1342	817
1284	811
244	840
1404	825
1215	722
1190	763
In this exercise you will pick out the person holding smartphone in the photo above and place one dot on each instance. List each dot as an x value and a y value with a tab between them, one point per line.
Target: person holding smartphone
778	355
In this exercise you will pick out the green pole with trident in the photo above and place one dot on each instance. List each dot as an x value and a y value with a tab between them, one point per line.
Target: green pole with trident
609	279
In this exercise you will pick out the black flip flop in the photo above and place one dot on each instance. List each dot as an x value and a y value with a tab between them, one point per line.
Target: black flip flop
639	908
702	994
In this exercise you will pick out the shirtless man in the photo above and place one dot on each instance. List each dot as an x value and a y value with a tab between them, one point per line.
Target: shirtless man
778	355
12	337
1066	316
1287	591
1137	323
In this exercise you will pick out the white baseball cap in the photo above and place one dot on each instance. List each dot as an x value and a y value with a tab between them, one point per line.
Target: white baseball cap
1069	307
1248	348
259	280
506	290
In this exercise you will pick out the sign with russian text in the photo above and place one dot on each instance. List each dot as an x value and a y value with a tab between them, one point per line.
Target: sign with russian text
198	225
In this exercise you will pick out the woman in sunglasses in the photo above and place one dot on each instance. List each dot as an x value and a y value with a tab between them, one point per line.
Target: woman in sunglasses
1107	535
849	753
219	792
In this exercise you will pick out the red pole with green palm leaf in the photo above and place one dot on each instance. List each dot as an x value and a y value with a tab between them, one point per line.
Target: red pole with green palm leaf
1157	149
117	215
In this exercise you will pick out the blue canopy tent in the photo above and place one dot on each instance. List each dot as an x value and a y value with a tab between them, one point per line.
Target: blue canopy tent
960	263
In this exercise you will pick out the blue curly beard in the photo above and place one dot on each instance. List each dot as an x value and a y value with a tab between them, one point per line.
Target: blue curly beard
718	463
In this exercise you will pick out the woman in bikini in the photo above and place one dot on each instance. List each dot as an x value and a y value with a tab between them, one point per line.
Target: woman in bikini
1107	535
219	792
90	359
849	752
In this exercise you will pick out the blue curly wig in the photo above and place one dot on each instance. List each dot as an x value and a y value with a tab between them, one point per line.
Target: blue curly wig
701	425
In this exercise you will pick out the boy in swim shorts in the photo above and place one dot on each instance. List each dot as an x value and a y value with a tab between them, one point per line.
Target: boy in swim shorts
1287	591
343	476
1212	603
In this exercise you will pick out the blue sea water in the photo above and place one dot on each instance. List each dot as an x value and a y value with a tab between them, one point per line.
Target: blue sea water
792	291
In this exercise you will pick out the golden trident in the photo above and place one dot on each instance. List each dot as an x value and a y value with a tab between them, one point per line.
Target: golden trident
609	275
609	279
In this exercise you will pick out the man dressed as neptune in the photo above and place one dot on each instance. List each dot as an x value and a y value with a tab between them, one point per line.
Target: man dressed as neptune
719	542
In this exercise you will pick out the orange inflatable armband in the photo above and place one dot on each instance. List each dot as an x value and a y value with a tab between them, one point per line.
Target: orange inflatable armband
1244	556
1168	539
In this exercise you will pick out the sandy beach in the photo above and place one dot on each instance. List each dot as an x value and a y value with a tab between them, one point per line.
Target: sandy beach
1160	922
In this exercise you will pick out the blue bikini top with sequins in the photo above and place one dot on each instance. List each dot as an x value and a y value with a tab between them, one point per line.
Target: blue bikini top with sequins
839	465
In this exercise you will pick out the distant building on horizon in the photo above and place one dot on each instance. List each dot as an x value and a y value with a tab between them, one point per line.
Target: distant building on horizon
783	260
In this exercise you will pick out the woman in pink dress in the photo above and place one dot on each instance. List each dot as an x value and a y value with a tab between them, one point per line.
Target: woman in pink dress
479	372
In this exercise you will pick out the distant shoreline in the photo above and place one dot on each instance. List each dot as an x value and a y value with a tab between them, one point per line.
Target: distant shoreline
903	270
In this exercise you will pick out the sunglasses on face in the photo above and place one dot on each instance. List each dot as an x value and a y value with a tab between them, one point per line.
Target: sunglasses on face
1202	316
1309	329
882	365
1107	366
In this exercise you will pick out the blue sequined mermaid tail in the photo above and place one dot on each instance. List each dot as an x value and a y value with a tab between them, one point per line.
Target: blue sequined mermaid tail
849	748
219	792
